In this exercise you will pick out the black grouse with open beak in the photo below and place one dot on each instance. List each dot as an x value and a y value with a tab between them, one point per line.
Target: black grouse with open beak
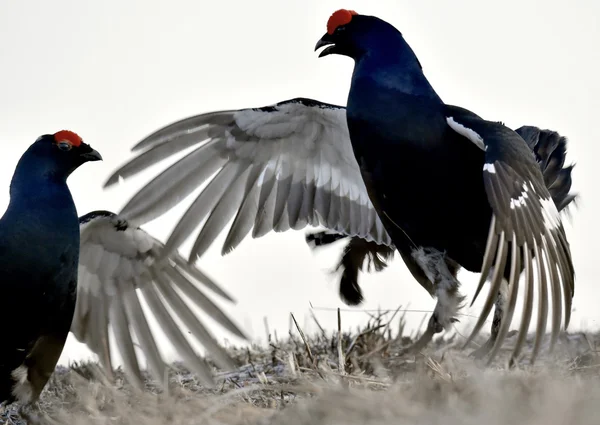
326	40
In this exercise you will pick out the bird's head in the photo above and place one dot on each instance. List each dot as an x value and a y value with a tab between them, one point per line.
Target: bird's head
354	35
59	154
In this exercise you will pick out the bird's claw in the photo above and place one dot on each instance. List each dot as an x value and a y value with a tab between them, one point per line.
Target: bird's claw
29	417
482	351
434	326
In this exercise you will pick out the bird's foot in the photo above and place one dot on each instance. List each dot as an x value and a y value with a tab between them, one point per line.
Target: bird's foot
434	326
482	351
485	349
28	416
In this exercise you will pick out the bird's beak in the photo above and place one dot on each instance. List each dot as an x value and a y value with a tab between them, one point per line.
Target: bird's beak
326	40
92	155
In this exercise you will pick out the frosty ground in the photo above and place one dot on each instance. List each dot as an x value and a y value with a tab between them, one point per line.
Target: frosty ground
298	380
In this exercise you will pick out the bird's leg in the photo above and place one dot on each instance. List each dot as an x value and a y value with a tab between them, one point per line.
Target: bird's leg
435	266
29	417
23	413
496	321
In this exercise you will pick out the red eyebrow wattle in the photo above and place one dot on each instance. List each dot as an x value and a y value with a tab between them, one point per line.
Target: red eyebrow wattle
338	18
69	136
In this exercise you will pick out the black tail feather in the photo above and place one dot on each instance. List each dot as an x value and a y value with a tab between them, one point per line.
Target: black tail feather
550	149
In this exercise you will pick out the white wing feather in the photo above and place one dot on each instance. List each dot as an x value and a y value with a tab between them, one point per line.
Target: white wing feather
115	260
279	167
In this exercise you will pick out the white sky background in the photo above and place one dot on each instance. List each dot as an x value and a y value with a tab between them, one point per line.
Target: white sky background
114	71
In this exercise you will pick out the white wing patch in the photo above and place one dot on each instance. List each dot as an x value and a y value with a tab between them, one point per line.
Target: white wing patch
466	132
551	215
520	201
489	167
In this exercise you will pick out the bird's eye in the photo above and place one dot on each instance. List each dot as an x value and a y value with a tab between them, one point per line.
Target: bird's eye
64	146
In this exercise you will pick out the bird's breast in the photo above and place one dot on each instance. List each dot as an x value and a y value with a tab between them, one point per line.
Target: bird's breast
422	183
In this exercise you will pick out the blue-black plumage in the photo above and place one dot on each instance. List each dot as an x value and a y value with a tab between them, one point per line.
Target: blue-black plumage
549	148
451	188
39	254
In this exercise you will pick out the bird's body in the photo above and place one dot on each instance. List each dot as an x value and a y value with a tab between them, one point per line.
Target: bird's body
423	178
39	285
39	257
549	149
426	187
448	184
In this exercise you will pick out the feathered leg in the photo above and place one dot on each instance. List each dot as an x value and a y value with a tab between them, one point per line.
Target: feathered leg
31	417
442	273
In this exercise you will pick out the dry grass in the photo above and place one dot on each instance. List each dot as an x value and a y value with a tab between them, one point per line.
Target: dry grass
299	381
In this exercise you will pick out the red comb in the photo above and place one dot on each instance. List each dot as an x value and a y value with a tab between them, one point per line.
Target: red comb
339	17
68	136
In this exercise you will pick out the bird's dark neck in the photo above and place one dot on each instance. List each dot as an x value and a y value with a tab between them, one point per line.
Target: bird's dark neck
39	193
391	102
392	67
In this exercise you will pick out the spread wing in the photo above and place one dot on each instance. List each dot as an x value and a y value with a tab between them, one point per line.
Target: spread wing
118	268
279	167
525	225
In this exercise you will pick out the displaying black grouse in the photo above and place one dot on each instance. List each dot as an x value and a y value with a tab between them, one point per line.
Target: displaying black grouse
398	168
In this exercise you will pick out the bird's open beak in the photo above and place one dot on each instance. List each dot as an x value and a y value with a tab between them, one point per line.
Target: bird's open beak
326	40
92	155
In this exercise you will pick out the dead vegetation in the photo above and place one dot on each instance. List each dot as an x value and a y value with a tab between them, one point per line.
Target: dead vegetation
343	378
